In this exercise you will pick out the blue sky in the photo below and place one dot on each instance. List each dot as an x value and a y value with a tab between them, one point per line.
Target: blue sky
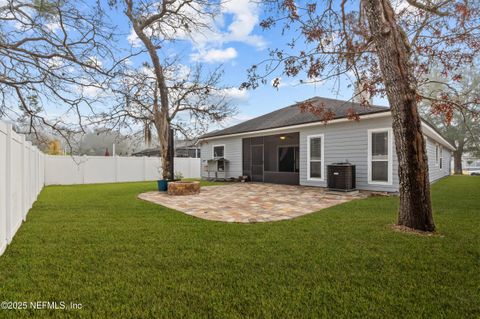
237	43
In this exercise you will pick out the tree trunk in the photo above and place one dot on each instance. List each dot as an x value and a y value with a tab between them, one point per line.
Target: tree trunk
457	162
392	50
162	126
160	112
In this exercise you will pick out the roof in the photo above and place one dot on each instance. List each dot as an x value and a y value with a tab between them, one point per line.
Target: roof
179	144
293	115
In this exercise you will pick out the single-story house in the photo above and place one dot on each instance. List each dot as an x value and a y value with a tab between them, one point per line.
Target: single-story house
288	146
183	148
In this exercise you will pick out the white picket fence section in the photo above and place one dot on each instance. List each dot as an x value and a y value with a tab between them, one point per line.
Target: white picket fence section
68	170
21	180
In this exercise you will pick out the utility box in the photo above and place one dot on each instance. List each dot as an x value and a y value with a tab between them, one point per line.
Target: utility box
341	177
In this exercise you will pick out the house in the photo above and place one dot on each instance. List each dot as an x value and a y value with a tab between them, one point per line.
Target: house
183	148
470	163
289	146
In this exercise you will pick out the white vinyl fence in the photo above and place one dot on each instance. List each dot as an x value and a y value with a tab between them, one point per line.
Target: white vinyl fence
21	180
24	170
68	170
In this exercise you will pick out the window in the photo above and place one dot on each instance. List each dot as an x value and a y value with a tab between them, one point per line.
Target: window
315	157
436	154
441	157
218	151
380	156
288	157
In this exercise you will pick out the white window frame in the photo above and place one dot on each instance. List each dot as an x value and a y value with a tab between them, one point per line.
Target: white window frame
213	155
440	164
322	147
218	145
390	156
437	154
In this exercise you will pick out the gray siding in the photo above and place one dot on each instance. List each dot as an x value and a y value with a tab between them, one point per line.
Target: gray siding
343	141
232	152
347	141
435	172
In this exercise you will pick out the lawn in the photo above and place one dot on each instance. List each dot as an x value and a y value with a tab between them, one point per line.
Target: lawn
124	258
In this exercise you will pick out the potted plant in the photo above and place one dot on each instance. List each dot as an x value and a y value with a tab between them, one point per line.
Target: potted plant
162	185
163	182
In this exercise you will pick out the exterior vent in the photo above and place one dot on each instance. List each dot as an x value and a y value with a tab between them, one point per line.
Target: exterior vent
341	177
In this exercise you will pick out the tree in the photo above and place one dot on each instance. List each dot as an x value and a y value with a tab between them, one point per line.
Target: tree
55	56
155	95
54	147
460	124
196	99
386	49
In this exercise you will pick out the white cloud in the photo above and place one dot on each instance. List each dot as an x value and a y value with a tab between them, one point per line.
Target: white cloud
245	17
53	27
133	39
236	94
94	61
279	82
209	39
215	55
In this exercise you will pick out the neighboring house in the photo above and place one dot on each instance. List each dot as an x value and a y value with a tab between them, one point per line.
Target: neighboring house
470	162
183	148
289	146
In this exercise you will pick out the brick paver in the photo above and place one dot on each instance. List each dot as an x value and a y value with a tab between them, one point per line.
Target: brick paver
251	202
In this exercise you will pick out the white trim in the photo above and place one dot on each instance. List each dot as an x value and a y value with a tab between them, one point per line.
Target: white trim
213	155
292	127
309	137
436	137
440	163
437	154
213	150
425	127
390	156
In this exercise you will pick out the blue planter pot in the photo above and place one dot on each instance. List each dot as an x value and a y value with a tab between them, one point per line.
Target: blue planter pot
162	185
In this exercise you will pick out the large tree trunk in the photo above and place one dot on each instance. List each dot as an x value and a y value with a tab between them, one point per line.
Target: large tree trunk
161	117
457	162
162	126
415	206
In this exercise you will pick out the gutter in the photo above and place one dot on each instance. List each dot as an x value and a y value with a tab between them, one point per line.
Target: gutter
426	127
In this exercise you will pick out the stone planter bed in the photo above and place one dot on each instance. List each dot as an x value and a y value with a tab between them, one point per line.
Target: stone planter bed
183	188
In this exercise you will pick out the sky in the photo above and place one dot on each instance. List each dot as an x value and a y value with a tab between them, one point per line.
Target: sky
237	43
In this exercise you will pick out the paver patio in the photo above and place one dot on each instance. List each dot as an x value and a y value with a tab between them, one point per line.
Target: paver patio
251	202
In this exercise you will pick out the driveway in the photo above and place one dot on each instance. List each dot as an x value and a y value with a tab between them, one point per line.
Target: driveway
251	202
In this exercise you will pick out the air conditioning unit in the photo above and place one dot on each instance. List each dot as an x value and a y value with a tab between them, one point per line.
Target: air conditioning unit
341	177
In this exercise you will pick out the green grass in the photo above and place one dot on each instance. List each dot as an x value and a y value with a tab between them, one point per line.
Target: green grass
124	258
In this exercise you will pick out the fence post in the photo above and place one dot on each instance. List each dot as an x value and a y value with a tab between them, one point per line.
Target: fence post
115	164
83	163
144	168
23	179
8	184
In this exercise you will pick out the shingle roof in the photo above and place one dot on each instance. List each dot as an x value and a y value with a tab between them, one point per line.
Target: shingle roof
292	115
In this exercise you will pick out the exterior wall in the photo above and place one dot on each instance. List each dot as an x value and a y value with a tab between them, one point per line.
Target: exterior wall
435	172
232	152
345	141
